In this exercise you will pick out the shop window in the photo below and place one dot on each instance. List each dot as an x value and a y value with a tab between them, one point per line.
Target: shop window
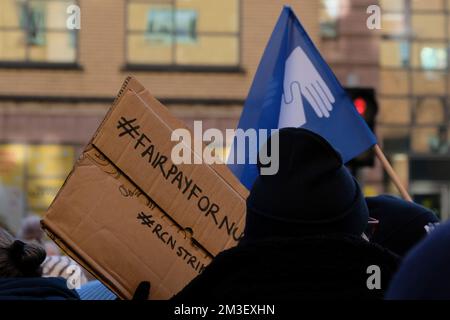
30	177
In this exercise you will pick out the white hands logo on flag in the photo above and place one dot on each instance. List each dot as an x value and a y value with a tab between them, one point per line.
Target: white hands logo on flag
302	79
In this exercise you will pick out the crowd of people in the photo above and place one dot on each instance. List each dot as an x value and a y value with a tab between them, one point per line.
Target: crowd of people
310	234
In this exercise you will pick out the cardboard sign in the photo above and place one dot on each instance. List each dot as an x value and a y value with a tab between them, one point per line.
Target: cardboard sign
129	214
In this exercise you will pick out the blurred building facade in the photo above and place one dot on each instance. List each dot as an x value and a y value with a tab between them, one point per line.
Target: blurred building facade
407	62
197	56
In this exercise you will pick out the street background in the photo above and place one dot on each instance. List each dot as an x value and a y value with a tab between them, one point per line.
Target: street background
199	58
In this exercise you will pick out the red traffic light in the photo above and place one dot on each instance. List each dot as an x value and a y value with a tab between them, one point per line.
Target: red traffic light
361	105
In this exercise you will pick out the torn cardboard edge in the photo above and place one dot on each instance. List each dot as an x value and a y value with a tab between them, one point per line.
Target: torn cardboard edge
51	231
84	259
88	263
82	262
119	139
81	258
132	84
137	138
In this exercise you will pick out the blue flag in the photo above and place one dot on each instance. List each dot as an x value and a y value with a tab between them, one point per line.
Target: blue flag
294	87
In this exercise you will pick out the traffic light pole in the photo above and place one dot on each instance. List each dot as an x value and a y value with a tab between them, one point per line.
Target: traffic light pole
390	171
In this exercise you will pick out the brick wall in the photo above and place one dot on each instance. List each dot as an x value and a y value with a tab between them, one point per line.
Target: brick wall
101	50
101	56
355	50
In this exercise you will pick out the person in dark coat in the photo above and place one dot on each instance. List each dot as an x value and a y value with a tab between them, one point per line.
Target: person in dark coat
303	235
36	288
401	224
21	273
424	273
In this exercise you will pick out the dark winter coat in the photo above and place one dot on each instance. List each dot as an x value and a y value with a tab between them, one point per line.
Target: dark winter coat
36	289
319	267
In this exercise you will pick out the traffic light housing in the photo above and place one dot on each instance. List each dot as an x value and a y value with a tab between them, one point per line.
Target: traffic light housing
365	102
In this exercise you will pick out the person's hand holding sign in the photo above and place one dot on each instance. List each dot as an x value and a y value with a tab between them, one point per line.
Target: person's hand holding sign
302	79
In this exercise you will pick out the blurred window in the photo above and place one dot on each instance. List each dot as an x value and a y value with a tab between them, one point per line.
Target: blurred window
427	5
395	111
428	26
429	56
394	82
429	83
414	80
430	111
393	23
329	15
183	32
35	31
393	5
30	177
430	140
396	139
394	53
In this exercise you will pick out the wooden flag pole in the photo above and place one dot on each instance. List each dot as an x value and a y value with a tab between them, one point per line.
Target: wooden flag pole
387	166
